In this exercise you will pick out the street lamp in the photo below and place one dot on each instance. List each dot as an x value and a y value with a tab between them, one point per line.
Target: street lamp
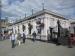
0	8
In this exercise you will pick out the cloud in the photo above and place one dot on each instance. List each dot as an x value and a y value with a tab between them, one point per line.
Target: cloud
20	7
64	7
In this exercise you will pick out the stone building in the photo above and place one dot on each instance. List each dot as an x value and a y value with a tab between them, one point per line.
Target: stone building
42	22
72	28
3	25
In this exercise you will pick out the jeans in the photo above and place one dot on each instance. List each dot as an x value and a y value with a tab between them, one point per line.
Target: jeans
24	40
13	43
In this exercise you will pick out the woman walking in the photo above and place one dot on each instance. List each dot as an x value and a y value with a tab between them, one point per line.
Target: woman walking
12	38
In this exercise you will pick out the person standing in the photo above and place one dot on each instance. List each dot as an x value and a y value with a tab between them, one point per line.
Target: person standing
48	37
12	38
34	35
24	37
1	36
70	38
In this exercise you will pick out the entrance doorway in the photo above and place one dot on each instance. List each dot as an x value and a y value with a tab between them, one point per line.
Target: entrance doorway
50	34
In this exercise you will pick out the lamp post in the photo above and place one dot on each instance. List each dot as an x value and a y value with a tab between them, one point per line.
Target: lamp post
0	16
32	11
0	8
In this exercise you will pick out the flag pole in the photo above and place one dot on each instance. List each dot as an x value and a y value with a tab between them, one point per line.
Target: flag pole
0	8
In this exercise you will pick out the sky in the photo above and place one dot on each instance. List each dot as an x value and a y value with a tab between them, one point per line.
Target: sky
16	9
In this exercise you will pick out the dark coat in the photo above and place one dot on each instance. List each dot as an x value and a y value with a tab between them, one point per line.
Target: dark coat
34	34
24	36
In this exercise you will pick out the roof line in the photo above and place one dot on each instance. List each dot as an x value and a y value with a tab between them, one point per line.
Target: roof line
40	13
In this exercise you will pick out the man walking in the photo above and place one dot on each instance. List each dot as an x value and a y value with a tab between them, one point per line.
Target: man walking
24	37
12	38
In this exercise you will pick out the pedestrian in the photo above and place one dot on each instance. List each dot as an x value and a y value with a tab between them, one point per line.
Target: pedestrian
1	35
4	36
12	38
19	39
24	37
48	37
34	35
70	38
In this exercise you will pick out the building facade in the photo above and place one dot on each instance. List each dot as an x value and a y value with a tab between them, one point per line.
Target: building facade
42	22
3	25
72	28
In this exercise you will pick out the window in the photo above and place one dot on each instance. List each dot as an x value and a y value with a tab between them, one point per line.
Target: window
23	27
30	26
38	21
39	31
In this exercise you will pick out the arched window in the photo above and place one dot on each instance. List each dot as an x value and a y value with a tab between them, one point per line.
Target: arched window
23	26
18	29
42	25
30	27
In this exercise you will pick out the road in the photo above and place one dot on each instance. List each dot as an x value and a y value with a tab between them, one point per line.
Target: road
36	48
